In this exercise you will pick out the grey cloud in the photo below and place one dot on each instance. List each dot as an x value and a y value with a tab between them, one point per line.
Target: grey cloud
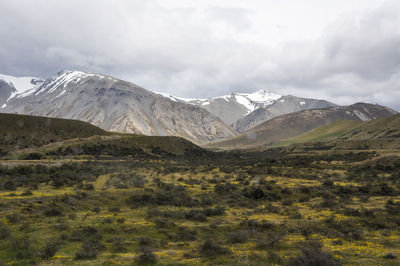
197	52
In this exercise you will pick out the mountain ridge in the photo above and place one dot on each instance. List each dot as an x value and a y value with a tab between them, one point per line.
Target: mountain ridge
284	105
117	105
231	107
294	124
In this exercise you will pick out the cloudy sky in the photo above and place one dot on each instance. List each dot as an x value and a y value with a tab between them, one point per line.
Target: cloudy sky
343	50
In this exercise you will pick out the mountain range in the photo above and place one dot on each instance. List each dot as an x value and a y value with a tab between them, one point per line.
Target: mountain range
294	124
116	105
230	108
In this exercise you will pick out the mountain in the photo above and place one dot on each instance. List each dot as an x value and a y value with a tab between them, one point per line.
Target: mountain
230	108
381	128
323	133
284	105
10	86
117	105
295	124
376	134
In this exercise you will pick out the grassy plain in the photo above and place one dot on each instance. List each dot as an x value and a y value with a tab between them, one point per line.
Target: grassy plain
135	200
224	208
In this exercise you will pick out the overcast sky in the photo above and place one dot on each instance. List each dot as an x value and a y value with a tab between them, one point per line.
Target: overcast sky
341	50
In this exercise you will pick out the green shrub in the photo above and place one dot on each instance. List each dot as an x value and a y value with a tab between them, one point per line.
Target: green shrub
186	234
211	249
118	244
89	250
50	249
22	246
238	237
51	211
4	232
86	233
13	218
147	257
272	240
312	256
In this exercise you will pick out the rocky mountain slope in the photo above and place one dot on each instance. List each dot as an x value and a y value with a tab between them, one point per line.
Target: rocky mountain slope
230	108
117	105
284	105
295	124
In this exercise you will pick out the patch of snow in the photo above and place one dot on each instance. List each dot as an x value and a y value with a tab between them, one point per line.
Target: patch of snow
61	94
246	102
262	96
225	97
21	84
360	115
180	99
67	77
27	93
61	80
12	95
251	101
302	103
282	101
3	106
167	95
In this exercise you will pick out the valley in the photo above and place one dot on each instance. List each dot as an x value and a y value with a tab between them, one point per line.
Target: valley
221	133
91	197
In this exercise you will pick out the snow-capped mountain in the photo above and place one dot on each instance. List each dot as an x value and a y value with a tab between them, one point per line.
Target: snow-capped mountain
283	105
229	108
296	123
11	86
117	105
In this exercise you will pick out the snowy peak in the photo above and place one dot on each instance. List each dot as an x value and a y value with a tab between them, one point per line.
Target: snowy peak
261	96
63	78
250	101
14	86
21	84
257	99
231	107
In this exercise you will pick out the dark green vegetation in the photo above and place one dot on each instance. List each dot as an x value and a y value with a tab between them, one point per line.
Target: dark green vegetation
135	200
23	131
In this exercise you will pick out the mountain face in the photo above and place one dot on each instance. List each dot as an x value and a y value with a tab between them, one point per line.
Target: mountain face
230	108
387	128
294	124
283	105
117	105
11	86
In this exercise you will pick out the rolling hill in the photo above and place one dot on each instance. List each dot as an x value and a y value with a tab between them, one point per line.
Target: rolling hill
25	131
346	130
295	124
57	136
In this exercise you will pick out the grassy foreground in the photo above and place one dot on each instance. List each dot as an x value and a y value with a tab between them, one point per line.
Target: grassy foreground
94	203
